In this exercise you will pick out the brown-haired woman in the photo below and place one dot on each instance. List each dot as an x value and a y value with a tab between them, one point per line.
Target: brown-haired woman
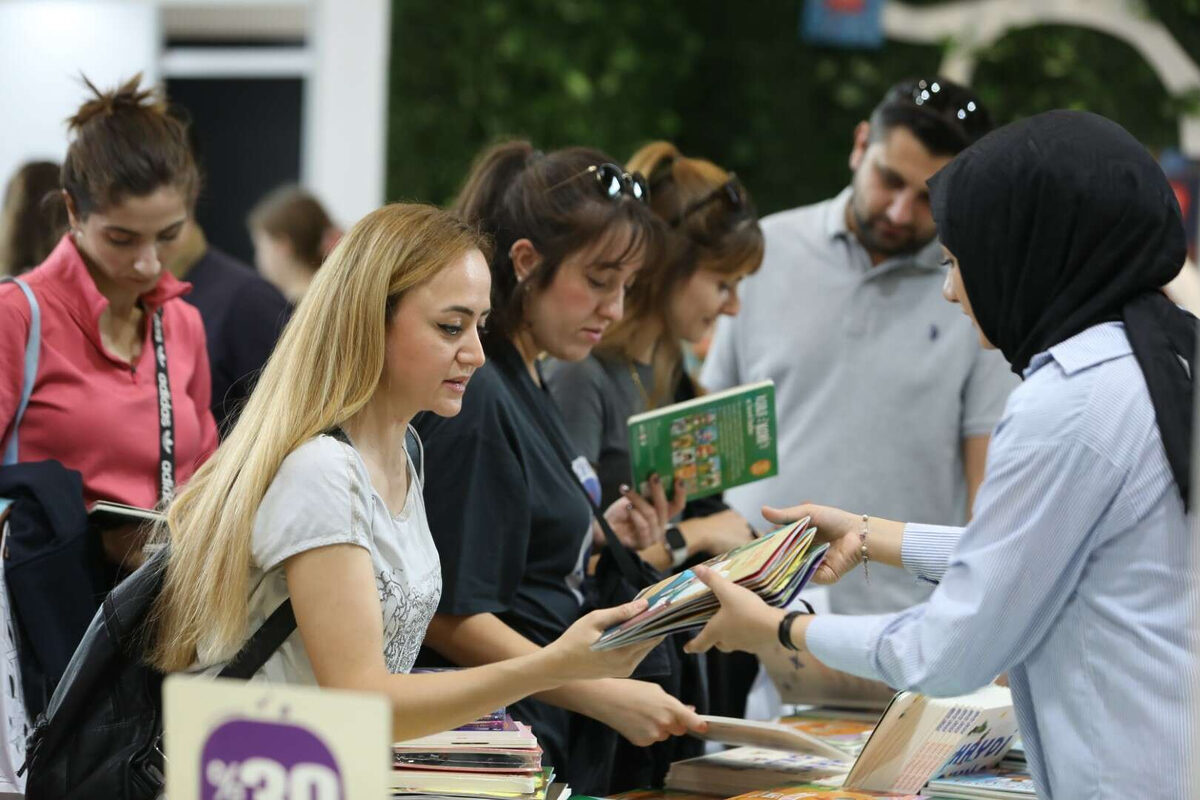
292	235
33	218
514	531
121	392
713	241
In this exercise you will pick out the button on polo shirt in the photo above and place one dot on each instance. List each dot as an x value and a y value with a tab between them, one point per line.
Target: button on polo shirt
878	380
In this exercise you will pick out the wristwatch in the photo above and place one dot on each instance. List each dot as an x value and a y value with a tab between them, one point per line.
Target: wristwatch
676	546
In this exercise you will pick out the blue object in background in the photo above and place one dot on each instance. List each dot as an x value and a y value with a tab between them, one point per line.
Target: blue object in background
843	23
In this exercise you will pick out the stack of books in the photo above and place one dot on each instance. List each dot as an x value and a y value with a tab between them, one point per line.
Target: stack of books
775	567
492	757
917	738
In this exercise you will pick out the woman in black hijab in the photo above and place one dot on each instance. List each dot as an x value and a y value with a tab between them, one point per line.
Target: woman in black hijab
1075	575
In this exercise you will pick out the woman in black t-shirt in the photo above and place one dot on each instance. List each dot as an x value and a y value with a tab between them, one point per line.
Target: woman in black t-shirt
712	241
514	531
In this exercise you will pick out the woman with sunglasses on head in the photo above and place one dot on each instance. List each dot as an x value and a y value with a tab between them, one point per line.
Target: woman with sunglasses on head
712	241
1076	574
506	496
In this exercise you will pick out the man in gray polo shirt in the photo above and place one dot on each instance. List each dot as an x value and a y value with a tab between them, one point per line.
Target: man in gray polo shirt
886	400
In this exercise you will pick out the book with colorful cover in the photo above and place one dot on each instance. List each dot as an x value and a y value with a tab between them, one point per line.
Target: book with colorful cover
775	567
708	444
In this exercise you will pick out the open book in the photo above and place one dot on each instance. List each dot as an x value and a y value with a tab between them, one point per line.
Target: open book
708	444
917	738
775	567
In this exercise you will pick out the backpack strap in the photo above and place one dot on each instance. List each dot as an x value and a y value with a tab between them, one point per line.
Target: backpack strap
33	348
265	641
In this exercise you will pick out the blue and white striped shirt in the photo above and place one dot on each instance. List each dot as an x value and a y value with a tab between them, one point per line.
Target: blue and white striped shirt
1075	576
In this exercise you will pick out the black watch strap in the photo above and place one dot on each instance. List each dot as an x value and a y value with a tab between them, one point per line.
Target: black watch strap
676	545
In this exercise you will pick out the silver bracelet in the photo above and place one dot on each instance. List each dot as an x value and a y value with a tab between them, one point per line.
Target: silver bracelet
862	541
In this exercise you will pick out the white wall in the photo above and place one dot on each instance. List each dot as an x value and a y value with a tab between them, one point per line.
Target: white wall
44	45
344	140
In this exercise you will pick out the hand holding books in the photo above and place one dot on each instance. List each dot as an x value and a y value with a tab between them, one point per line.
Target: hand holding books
842	531
572	655
775	567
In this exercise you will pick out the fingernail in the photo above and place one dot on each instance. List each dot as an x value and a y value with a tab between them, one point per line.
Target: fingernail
654	479
624	488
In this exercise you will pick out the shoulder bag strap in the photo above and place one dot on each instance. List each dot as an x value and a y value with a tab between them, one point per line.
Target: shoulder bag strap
265	641
621	553
33	348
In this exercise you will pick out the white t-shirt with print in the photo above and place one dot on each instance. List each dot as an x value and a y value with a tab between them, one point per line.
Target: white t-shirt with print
322	495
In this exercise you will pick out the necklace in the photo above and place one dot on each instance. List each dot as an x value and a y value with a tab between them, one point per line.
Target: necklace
637	381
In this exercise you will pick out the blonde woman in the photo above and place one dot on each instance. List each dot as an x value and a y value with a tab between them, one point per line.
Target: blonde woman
313	497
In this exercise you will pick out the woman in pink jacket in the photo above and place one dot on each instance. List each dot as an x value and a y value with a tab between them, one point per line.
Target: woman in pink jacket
121	389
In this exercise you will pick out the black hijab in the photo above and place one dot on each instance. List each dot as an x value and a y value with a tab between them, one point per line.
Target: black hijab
1062	221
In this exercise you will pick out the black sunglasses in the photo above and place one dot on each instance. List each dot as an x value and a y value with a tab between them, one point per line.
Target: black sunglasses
962	107
730	191
614	182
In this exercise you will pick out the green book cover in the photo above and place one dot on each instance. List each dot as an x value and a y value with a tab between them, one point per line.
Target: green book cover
708	444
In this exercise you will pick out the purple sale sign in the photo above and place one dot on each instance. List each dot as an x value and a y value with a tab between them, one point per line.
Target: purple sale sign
247	759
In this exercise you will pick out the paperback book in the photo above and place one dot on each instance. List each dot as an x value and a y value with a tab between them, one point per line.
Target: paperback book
775	567
917	738
708	444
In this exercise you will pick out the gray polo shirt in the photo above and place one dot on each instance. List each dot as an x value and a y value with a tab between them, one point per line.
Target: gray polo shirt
878	380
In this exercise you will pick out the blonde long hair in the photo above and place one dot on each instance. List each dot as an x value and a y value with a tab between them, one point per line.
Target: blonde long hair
703	230
327	365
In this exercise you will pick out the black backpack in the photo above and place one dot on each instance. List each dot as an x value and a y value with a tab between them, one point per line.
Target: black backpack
101	734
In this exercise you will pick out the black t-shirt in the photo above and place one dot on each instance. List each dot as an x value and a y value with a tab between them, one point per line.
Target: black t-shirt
513	532
243	315
512	529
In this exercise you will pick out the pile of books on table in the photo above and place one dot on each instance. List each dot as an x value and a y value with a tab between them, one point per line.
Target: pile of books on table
775	567
492	757
916	739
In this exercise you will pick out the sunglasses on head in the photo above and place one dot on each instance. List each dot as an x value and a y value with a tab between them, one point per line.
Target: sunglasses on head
613	182
730	191
964	108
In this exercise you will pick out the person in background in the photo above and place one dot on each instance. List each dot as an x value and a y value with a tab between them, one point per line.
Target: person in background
313	498
107	304
513	526
243	316
1077	574
885	398
32	219
292	235
712	241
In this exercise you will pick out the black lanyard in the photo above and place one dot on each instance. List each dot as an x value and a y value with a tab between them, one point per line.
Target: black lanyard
166	414
541	409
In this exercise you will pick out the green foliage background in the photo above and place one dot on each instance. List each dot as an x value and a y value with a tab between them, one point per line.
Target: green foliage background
730	81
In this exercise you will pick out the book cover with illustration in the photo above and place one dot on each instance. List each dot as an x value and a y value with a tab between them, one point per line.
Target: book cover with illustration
708	444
